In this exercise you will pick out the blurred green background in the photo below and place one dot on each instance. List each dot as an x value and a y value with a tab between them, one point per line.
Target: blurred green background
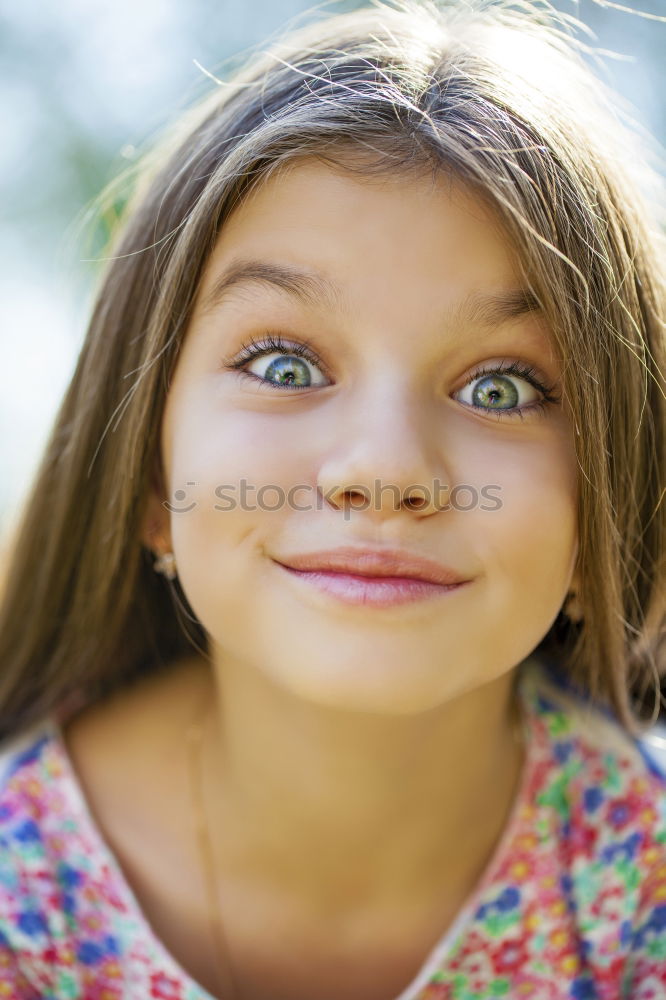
83	83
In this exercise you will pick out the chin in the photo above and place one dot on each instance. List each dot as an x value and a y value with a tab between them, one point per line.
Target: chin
388	688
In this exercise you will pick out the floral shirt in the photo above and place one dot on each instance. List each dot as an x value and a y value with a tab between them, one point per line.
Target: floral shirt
571	904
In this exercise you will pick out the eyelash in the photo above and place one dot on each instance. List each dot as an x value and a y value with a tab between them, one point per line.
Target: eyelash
274	343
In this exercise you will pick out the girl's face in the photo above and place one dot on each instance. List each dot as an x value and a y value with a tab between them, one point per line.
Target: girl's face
412	291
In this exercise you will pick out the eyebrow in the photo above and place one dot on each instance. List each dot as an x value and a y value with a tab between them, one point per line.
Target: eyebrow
486	309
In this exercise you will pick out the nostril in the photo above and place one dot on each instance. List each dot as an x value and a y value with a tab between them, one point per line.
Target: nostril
415	503
356	498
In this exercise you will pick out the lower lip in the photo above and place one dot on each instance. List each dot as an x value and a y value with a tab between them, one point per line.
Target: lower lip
373	591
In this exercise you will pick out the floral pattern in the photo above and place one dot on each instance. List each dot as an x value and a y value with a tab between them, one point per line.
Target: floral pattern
572	903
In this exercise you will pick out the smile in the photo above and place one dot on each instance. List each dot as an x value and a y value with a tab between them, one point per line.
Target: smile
373	591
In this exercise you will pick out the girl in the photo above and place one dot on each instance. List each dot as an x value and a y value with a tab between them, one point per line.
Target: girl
332	629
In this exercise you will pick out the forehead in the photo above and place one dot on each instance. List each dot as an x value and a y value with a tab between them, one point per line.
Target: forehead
426	225
399	255
306	187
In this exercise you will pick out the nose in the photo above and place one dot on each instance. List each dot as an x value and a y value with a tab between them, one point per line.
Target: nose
387	458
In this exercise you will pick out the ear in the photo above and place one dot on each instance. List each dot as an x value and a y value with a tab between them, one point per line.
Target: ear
575	583
573	607
156	520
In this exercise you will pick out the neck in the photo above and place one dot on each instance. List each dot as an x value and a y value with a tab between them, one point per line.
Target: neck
346	811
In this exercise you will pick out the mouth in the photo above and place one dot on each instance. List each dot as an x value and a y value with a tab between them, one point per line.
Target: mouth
374	578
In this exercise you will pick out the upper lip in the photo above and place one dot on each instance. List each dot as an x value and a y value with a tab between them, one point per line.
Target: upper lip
375	562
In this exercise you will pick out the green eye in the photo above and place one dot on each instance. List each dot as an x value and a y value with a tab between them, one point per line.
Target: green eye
288	370
291	367
507	390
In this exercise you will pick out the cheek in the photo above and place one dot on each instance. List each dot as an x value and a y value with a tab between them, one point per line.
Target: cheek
534	528
230	472
237	453
255	441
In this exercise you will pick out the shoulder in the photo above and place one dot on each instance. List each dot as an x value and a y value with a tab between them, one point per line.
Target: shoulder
126	750
604	795
572	725
593	771
31	817
68	918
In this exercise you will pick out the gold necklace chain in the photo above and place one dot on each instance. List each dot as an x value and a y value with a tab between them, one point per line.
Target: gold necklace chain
194	739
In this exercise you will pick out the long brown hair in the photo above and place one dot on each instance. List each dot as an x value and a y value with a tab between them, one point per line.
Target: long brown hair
499	94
